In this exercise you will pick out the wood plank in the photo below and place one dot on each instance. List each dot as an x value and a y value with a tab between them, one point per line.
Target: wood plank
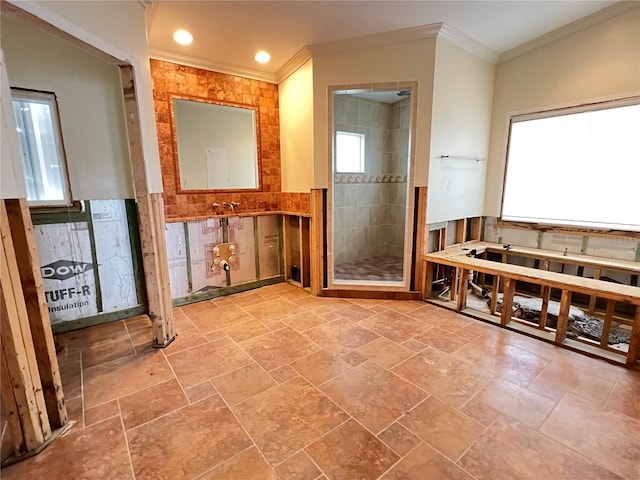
286	240
495	288
305	252
456	257
427	289
151	223
40	325
10	408
507	301
546	296
12	286
606	326
463	286
420	236
634	343
476	228
592	301
20	362
461	229
563	317
317	240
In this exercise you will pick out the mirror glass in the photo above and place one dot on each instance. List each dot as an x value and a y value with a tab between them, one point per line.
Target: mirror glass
371	157
217	146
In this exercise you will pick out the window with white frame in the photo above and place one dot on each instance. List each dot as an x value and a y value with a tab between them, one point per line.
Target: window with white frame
577	167
349	152
42	151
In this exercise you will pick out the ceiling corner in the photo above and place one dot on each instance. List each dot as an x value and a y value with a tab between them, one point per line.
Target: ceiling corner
468	43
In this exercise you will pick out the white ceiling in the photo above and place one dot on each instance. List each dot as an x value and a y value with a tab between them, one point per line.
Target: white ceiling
228	34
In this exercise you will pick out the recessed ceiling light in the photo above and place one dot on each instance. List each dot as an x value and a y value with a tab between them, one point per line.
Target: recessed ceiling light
182	37
262	57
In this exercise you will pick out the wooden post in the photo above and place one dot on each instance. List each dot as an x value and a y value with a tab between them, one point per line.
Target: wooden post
19	357
286	243
495	289
461	230
421	217
317	241
563	317
151	222
305	252
463	286
427	289
507	300
606	325
634	343
592	301
476	228
546	295
17	213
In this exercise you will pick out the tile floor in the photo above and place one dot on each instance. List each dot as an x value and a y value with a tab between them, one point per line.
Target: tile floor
277	384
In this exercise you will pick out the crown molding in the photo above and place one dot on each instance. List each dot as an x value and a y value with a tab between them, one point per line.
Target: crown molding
468	43
294	63
570	29
221	67
147	3
375	40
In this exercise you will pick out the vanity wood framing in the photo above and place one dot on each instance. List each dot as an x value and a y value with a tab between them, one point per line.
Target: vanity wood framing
505	278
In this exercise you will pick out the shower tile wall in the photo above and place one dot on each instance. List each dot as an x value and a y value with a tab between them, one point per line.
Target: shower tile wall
369	208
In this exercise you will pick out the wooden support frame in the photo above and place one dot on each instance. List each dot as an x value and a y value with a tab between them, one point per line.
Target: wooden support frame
427	289
17	213
634	344
606	325
463	286
23	394
546	297
563	317
592	301
420	235
151	221
507	300
316	227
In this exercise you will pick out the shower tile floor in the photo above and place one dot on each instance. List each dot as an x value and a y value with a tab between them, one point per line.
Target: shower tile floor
277	384
385	268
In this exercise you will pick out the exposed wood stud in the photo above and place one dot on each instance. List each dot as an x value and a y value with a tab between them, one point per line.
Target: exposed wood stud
606	326
462	289
634	343
592	301
461	229
317	241
495	288
428	282
563	317
546	295
420	237
507	300
17	212
151	221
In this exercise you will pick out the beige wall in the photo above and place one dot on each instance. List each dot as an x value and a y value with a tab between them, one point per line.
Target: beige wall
12	183
391	64
117	28
89	104
597	63
462	96
296	129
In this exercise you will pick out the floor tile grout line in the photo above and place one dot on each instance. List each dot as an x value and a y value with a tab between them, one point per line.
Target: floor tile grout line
486	429
131	393
126	440
200	475
175	376
246	431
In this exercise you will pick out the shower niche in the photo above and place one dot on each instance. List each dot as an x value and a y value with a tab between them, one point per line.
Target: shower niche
370	217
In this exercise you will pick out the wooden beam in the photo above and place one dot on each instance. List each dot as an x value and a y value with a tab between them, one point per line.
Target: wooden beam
461	229
10	408
18	350
563	317
151	223
463	286
476	228
507	300
305	251
634	342
427	289
592	301
606	325
420	236
495	289
546	296
17	213
286	241
317	241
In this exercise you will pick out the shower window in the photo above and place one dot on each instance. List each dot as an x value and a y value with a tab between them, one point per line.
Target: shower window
349	152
